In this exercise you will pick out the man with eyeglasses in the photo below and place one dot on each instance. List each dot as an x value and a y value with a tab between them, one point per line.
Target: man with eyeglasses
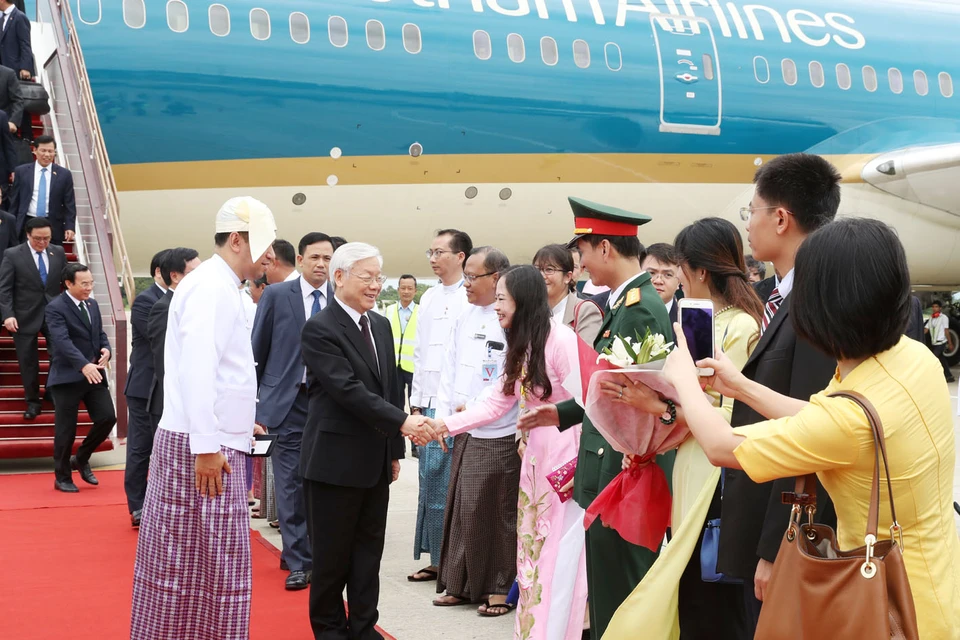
439	309
664	269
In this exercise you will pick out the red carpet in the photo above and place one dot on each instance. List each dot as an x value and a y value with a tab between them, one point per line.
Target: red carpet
68	566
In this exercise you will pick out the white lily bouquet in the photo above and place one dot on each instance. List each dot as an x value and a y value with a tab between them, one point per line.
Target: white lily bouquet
626	353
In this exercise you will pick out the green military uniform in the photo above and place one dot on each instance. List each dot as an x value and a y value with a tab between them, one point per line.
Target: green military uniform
614	566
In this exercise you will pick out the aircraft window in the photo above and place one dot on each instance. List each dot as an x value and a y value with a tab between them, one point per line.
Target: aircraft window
87	17
896	80
259	24
481	45
178	18
761	69
946	85
581	53
708	66
337	31
549	51
219	18
816	74
299	27
412	40
376	38
613	56
134	14
920	82
844	79
515	48
789	69
870	79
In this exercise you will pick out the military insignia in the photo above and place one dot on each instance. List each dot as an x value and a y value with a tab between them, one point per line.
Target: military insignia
606	334
633	297
617	305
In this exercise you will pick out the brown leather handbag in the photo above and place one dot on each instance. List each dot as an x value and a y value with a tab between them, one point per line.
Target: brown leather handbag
819	591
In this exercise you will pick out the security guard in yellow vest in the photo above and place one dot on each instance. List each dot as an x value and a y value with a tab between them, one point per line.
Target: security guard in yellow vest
403	320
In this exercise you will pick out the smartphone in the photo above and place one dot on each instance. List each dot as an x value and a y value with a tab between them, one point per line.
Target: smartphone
696	322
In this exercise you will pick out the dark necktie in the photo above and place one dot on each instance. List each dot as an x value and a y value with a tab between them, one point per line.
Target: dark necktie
85	313
42	267
316	303
770	309
365	330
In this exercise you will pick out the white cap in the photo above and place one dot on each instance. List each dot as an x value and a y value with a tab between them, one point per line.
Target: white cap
250	215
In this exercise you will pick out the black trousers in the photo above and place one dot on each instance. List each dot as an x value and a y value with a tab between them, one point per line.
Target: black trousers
406	377
28	356
938	350
347	526
66	401
141	427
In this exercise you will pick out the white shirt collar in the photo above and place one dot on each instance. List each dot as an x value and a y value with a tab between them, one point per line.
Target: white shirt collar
453	287
560	309
223	266
785	286
37	167
9	10
353	313
615	295
162	289
76	302
306	289
293	275
409	307
670	304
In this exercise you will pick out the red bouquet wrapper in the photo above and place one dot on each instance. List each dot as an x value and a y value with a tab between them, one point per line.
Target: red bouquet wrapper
637	502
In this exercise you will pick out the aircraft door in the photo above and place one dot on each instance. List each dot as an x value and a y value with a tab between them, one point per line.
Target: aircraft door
691	97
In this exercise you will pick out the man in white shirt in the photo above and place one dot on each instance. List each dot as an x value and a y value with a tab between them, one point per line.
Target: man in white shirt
44	189
479	555
938	327
192	576
439	308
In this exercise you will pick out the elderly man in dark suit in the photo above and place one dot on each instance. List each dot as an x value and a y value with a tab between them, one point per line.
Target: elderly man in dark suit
352	444
79	352
29	279
282	408
139	380
44	189
15	44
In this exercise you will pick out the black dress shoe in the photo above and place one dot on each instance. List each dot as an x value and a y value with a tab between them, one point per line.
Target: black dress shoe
86	473
297	580
31	413
65	486
135	518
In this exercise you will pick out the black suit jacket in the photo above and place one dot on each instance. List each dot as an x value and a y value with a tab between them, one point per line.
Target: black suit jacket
157	336
62	206
15	49
8	233
11	98
753	519
22	293
140	374
73	344
356	408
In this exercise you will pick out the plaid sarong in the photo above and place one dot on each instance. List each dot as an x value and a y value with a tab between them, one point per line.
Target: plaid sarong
192	577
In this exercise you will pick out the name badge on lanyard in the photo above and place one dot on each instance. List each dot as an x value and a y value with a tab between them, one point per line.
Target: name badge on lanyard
490	370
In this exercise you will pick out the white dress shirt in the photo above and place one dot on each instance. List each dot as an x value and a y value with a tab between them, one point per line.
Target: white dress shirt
670	304
293	275
785	285
471	368
210	389
306	290
36	259
560	309
6	15
439	309
355	316
32	209
249	307
612	300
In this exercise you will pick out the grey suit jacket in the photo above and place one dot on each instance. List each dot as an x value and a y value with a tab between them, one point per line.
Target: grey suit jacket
22	293
588	324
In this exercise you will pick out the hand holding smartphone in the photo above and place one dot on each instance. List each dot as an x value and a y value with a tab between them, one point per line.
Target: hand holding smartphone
696	322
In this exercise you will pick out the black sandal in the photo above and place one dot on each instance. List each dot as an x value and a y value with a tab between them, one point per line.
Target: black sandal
431	575
486	612
457	601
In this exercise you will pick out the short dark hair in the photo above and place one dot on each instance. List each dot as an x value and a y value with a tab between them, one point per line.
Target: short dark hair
753	263
337	241
261	281
663	253
69	273
851	291
285	252
936	303
38	223
157	260
39	140
220	239
494	260
312	238
555	255
805	184
407	276
176	262
626	246
460	242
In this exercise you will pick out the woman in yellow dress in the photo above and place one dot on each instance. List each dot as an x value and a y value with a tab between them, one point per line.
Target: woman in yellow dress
851	300
712	267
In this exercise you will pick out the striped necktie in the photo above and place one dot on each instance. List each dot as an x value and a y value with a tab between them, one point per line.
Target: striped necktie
773	303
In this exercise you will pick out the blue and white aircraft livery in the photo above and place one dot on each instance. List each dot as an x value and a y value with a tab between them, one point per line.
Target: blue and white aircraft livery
384	120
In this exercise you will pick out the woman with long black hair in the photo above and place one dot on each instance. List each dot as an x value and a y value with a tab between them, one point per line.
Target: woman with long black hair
551	557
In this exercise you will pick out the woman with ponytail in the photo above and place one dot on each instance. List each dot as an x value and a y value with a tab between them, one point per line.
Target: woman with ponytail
677	586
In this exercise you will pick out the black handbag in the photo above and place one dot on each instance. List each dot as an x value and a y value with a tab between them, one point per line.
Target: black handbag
36	100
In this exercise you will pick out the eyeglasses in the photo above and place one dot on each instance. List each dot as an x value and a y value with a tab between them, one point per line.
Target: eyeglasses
471	279
663	275
747	212
368	280
549	271
437	253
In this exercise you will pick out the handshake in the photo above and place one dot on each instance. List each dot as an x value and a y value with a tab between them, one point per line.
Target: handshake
421	430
